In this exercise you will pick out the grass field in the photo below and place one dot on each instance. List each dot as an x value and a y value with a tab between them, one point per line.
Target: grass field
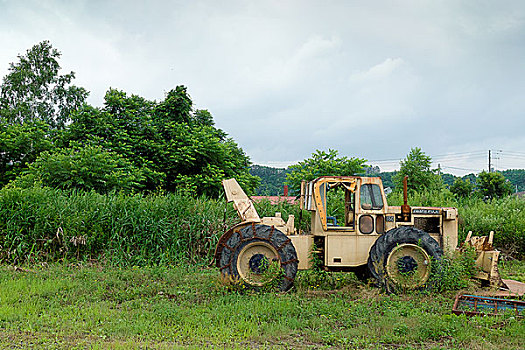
60	306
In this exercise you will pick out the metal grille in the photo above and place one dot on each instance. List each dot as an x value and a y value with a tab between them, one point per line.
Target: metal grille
427	224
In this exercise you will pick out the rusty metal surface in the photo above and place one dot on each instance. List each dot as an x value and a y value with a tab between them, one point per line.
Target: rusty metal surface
405	208
479	305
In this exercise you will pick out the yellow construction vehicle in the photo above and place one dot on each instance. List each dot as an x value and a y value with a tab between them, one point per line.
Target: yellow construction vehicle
396	245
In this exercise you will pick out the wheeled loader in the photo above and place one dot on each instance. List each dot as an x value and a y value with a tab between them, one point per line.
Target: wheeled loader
395	245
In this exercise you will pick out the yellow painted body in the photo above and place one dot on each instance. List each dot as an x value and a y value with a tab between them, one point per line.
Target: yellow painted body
486	258
367	216
348	244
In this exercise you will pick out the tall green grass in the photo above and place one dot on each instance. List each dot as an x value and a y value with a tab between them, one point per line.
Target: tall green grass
45	224
433	198
42	224
302	217
506	217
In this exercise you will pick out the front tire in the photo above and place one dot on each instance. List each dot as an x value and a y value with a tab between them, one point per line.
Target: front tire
402	258
248	254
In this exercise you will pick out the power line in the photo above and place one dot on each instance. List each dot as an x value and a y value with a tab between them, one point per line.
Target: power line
516	152
509	165
458	153
498	159
512	156
471	155
458	168
439	156
458	159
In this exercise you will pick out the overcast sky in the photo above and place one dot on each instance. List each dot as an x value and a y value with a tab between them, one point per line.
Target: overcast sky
371	79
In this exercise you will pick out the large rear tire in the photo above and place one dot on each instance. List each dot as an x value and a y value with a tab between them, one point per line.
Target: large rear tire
401	259
247	255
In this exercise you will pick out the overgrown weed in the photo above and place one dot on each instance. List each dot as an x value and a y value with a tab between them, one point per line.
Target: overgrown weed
453	271
320	280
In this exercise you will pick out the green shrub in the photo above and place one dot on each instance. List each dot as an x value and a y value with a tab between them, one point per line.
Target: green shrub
83	167
427	198
453	272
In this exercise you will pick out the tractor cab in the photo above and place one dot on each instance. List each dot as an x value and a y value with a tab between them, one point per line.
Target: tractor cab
345	205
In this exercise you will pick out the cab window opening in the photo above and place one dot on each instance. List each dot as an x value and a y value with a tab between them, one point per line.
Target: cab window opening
339	206
371	198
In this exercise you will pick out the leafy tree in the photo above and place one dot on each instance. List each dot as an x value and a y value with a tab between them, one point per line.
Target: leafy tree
471	177
20	144
372	170
417	166
493	185
34	90
448	179
162	145
176	107
386	178
322	164
125	125
84	168
461	188
203	117
197	159
35	101
174	147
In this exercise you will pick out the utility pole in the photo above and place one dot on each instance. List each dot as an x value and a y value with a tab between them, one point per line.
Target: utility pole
490	168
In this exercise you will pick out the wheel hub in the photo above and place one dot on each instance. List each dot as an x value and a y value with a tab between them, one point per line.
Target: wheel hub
408	266
253	261
258	263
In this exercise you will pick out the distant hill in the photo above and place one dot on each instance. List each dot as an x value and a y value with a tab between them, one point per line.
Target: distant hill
448	179
516	178
272	179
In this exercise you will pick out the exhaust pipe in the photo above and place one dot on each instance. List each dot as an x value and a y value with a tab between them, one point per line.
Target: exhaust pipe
405	208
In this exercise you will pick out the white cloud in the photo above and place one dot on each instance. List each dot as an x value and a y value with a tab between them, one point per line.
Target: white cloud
315	47
378	72
371	79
